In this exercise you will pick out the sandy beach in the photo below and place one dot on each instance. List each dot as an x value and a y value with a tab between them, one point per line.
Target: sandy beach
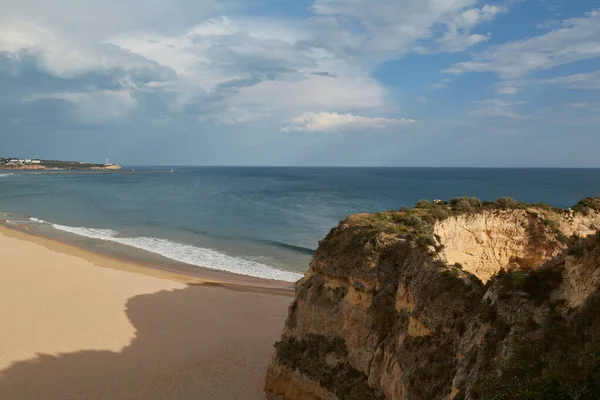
79	325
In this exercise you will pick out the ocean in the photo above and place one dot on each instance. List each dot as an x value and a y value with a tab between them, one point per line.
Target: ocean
261	222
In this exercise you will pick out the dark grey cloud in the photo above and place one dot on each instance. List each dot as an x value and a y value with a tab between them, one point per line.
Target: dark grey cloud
39	114
323	73
261	59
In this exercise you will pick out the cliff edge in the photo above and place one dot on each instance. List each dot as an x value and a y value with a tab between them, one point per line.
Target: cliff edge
448	300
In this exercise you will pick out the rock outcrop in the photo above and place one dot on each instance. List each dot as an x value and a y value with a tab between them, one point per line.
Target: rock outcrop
459	300
108	167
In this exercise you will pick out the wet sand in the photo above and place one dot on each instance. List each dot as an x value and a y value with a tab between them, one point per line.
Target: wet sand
80	325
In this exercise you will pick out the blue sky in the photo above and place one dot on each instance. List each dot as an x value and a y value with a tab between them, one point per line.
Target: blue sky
322	82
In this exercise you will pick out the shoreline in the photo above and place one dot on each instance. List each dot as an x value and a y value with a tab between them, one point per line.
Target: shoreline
190	275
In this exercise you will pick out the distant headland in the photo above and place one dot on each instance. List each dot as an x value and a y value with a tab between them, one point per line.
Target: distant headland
34	164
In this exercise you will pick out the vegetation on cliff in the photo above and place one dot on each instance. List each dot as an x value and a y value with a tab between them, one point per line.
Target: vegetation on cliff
319	358
417	223
588	205
385	311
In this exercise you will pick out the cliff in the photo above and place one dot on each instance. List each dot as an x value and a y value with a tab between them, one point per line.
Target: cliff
458	300
108	167
22	167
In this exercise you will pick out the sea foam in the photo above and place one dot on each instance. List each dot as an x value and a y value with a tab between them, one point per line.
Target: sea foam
188	254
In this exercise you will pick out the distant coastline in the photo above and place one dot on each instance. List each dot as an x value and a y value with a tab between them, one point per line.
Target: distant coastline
21	164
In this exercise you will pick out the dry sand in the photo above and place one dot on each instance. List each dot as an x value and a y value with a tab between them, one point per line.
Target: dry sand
79	325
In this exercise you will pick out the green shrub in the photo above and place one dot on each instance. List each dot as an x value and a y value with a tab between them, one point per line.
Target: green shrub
465	204
423	204
440	213
582	245
505	203
417	223
587	205
553	225
426	240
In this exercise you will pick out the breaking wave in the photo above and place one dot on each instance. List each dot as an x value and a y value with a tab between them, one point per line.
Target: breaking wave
185	253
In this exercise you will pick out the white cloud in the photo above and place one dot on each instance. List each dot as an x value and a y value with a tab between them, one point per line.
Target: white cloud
221	50
508	90
454	41
440	84
392	28
589	81
257	69
342	93
233	116
390	12
498	109
247	68
62	56
422	100
577	39
471	17
510	87
458	36
97	20
244	66
580	104
499	102
585	81
585	105
331	122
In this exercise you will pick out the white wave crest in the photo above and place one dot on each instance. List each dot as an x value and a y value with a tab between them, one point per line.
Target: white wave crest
103	234
39	221
5	175
188	254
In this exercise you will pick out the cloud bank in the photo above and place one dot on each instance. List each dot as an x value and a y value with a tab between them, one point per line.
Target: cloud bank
332	122
221	77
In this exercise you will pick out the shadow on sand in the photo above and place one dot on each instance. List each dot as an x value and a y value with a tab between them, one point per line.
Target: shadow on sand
195	343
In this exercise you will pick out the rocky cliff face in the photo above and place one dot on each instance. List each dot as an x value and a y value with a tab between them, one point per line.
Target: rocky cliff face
459	300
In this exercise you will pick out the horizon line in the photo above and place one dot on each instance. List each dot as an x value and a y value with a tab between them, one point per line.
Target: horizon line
350	166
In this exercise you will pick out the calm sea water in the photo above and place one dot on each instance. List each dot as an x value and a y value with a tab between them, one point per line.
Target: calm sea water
262	222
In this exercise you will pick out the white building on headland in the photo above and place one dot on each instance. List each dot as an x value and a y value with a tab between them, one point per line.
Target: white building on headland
15	161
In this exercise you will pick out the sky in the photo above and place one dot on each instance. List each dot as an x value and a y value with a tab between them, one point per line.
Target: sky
495	83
